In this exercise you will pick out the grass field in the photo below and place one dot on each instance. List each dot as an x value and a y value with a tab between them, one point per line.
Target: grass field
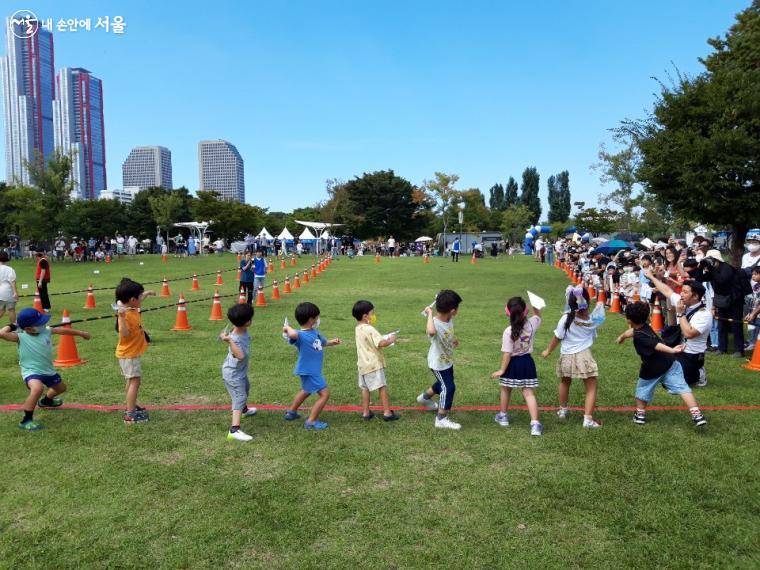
88	491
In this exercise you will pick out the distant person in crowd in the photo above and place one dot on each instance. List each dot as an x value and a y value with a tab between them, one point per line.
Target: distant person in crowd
42	277
247	276
191	246
60	248
219	246
119	245
92	246
753	317
259	270
456	247
728	301
391	246
8	291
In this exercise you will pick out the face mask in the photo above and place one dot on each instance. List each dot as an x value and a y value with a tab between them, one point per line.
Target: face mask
753	247
316	323
699	256
373	319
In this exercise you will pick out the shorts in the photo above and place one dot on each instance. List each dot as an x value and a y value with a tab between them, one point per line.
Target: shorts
578	365
372	380
7	305
131	367
48	380
691	364
312	384
673	381
238	390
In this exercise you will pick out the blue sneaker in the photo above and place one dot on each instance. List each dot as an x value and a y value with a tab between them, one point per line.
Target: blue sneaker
315	425
290	415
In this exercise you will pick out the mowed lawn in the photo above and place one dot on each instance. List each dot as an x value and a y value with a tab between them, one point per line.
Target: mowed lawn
88	491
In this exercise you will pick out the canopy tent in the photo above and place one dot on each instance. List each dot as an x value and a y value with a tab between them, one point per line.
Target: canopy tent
198	231
423	238
318	226
285	235
264	234
325	235
306	236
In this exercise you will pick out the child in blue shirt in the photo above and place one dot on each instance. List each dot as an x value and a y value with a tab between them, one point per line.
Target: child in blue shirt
309	343
259	270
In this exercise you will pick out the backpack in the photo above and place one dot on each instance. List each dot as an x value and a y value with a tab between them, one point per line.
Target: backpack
672	335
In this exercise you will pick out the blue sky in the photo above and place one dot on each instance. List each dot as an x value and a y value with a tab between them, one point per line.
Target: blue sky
311	90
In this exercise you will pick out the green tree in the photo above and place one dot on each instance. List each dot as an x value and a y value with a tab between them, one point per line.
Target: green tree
444	197
564	201
529	193
620	168
514	222
496	198
596	221
701	143
94	218
26	213
54	182
510	194
554	199
476	216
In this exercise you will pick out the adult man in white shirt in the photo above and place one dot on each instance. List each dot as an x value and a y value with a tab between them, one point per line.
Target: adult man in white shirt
695	321
391	246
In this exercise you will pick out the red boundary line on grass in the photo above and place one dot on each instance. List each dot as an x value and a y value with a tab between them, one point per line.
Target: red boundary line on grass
282	407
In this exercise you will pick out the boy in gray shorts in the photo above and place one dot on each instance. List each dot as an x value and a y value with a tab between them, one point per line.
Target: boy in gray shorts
235	367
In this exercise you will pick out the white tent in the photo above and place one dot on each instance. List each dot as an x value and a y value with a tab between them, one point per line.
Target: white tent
285	234
306	235
325	235
264	233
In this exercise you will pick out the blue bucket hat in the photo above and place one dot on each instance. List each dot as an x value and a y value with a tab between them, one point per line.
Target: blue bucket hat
31	318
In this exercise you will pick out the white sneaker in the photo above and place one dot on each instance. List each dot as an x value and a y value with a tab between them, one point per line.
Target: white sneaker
702	382
591	424
250	412
562	413
502	419
429	403
536	429
446	423
239	435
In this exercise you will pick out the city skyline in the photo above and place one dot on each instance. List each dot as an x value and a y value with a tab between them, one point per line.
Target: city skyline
147	166
482	91
221	169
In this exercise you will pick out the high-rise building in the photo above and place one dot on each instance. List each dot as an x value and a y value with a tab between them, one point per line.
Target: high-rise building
79	133
148	166
27	74
221	169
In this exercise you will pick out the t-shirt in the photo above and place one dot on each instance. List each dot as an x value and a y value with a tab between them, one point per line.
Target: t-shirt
653	363
35	353
578	337
134	344
699	319
391	242
260	266
246	275
7	274
310	345
456	247
369	356
748	260
234	370
524	343
441	353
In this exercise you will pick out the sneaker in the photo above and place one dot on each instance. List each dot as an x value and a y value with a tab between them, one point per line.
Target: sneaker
54	403
537	429
369	417
429	403
446	423
702	382
738	354
502	419
392	417
639	418
29	425
562	413
238	435
315	425
591	424
699	420
250	412
135	417
290	415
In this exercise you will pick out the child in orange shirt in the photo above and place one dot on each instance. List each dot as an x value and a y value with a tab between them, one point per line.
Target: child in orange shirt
132	343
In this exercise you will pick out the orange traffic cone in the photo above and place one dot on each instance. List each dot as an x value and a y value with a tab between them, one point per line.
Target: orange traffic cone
305	277
296	282
239	258
754	364
377	258
615	302
260	300
90	302
165	289
275	290
636	297
313	273
163	258
591	292
658	324
473	261
602	296
282	263
319	268
108	259
181	323
286	289
67	348
425	259
240	271
216	308
37	301
195	286
242	298
270	267
293	262
219	277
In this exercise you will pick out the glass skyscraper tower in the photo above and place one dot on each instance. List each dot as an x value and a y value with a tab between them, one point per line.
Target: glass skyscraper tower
221	169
